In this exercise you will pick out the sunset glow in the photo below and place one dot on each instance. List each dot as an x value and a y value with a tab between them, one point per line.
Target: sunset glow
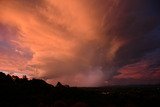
81	42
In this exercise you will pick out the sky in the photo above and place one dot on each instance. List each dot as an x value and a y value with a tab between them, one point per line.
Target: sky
81	42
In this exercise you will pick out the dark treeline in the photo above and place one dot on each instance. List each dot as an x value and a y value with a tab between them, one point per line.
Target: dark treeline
21	92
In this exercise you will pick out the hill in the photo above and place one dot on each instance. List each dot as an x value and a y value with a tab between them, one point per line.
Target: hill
21	92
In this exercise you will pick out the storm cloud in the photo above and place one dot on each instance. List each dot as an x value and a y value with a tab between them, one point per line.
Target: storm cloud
81	42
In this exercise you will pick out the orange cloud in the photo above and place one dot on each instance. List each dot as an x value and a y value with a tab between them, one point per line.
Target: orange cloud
58	33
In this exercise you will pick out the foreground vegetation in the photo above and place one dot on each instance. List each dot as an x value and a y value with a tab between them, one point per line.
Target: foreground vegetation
21	92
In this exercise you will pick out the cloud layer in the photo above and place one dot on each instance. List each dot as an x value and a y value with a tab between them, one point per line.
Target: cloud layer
81	42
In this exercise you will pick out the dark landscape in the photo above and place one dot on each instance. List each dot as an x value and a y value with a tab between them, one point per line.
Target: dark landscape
21	92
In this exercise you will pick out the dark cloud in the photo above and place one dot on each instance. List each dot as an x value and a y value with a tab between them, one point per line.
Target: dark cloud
134	22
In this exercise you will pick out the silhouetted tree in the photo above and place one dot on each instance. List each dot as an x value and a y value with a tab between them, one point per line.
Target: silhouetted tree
59	85
25	77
